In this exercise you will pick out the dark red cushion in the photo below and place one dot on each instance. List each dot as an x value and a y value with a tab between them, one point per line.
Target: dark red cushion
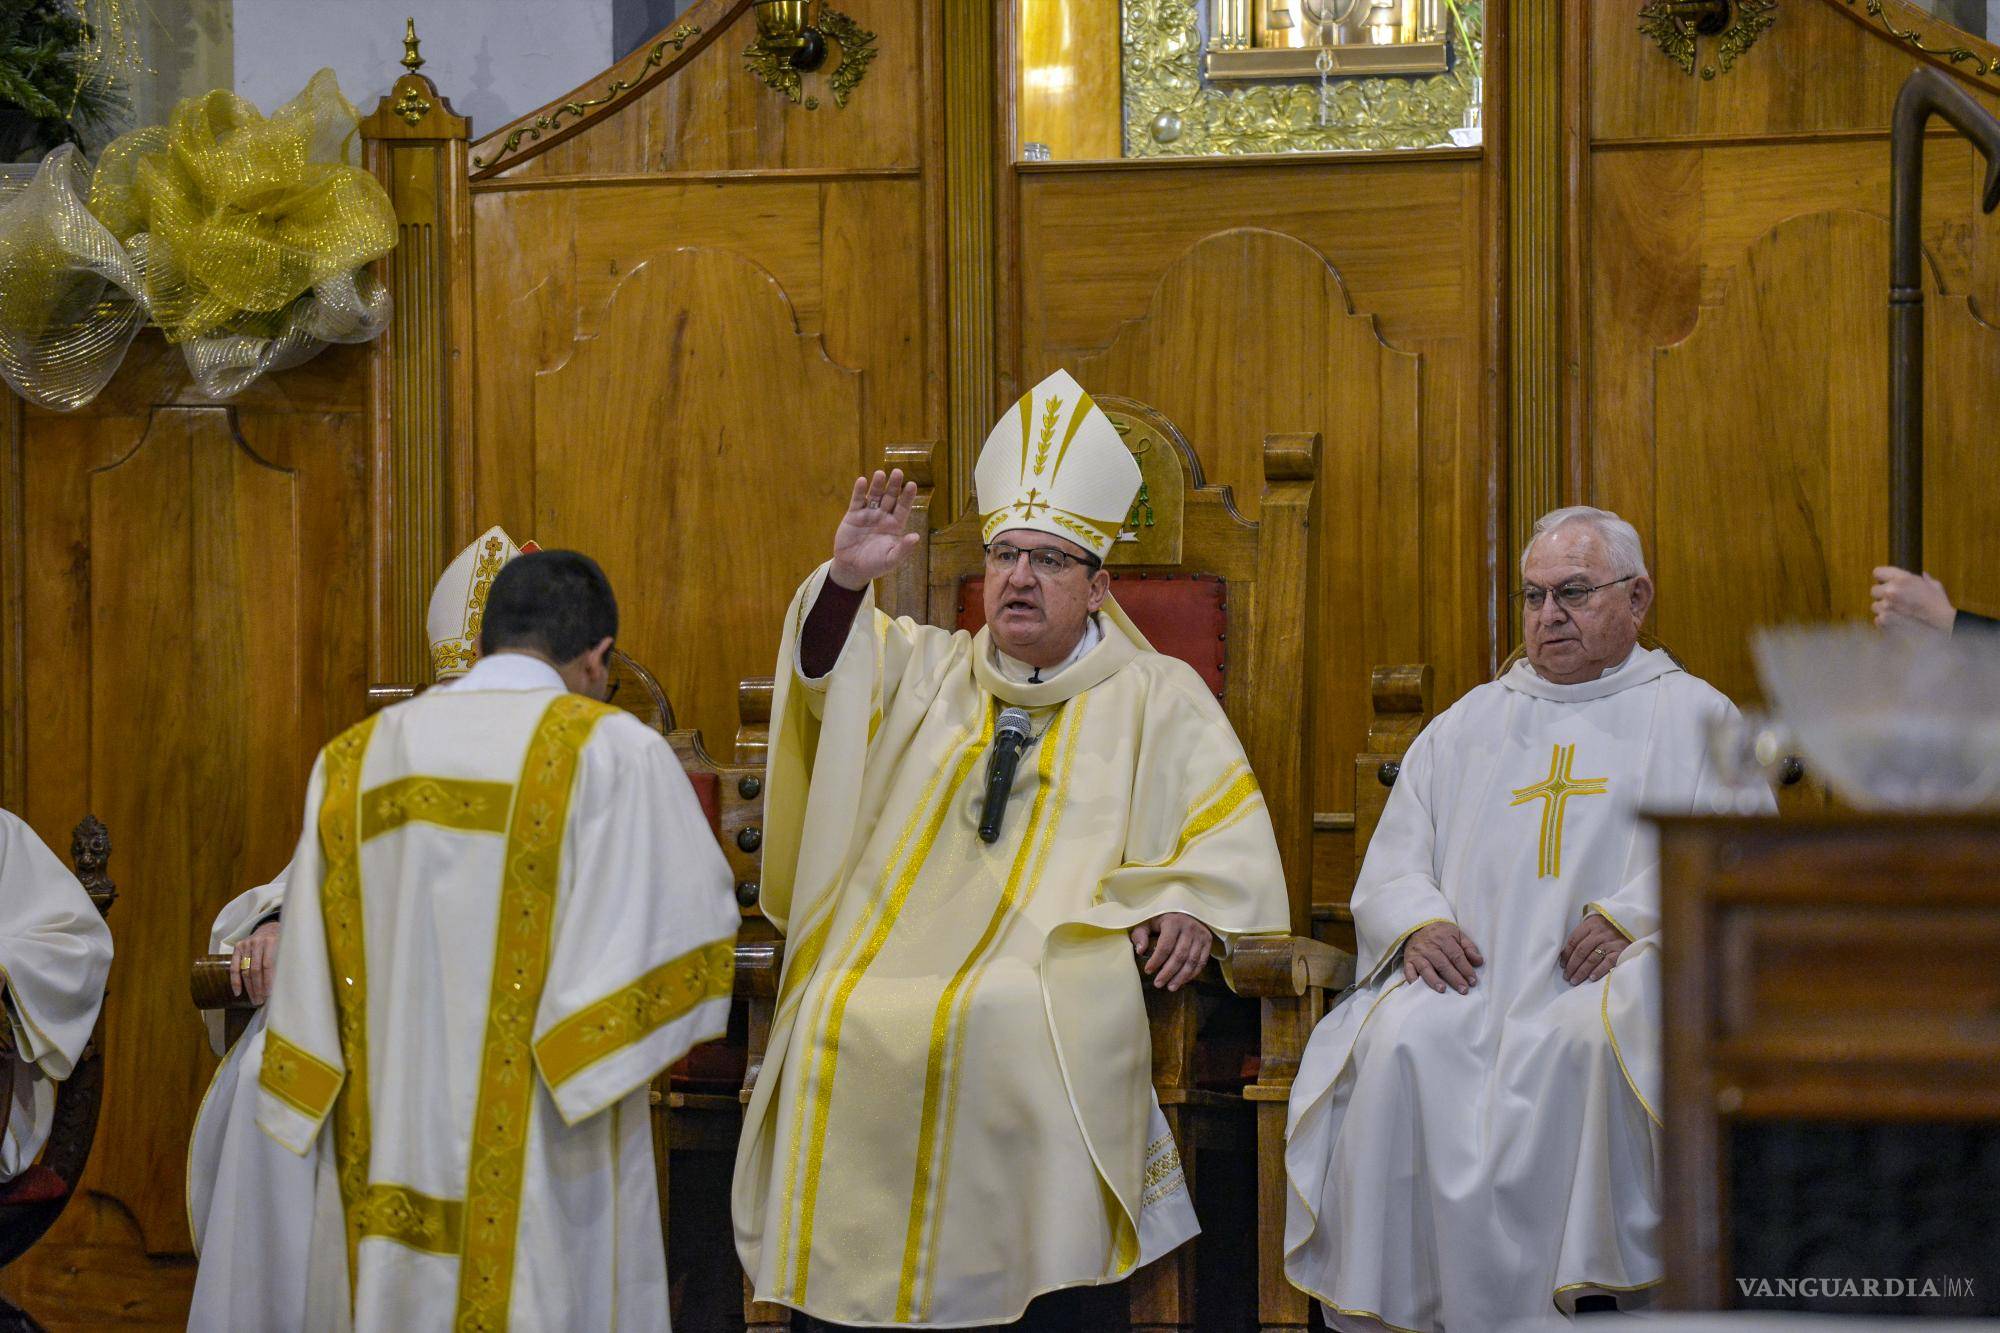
708	790
1181	615
38	1184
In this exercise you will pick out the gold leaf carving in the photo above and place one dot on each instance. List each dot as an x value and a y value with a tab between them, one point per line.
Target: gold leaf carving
553	121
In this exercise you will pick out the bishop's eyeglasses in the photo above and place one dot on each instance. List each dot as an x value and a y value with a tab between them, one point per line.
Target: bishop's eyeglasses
1570	596
1046	561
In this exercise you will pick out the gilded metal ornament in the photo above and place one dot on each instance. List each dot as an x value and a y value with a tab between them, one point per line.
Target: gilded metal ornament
1171	111
1676	25
412	106
774	67
553	120
857	51
412	59
1917	40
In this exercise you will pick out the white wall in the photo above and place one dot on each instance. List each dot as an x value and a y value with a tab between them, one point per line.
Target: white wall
495	59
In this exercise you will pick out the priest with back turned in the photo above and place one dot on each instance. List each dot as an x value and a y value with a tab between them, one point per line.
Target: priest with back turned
981	848
249	1199
506	915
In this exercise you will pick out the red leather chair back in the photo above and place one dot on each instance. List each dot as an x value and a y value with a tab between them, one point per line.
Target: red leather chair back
1181	615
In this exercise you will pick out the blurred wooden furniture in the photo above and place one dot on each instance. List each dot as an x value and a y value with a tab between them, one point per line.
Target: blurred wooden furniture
31	1202
1783	1056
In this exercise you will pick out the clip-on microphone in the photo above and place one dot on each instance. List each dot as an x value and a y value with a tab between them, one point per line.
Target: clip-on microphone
1010	736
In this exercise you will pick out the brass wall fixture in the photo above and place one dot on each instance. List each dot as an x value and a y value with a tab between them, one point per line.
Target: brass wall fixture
792	43
1677	27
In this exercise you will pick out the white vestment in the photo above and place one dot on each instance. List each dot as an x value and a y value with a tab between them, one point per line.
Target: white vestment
956	1111
1460	1161
506	916
54	953
250	1201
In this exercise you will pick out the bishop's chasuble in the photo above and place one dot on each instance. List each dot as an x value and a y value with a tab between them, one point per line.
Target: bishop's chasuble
956	1113
1462	1161
506	915
54	953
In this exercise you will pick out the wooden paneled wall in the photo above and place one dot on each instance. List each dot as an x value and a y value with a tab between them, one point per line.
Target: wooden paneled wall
1731	309
696	320
693	318
192	621
1344	295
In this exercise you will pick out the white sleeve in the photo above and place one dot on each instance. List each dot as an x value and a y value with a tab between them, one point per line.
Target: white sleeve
303	1068
55	951
644	952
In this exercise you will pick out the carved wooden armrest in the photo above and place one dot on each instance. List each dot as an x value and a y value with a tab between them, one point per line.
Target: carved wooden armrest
208	985
759	963
1275	966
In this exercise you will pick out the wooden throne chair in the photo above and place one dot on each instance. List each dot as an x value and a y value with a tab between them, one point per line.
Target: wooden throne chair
31	1202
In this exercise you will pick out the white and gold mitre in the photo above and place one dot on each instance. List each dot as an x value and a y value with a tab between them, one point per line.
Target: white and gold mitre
458	603
1056	464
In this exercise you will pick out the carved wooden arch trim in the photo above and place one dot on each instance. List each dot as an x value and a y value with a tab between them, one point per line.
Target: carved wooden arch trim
659	58
1128	327
697	376
1928	38
1767	422
1705	312
602	312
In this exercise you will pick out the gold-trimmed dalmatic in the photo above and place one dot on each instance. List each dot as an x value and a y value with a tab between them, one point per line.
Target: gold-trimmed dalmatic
490	868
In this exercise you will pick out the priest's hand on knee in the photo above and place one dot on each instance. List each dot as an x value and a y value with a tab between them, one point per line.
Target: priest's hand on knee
870	540
1443	955
1591	950
1902	598
1179	948
254	963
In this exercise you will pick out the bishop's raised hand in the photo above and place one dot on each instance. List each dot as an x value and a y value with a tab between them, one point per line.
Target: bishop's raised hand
871	540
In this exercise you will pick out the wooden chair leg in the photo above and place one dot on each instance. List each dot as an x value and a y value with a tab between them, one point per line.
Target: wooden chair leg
1281	1307
1162	1294
760	1314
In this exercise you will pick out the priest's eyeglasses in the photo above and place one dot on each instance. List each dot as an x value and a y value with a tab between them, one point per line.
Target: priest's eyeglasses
1045	561
1570	596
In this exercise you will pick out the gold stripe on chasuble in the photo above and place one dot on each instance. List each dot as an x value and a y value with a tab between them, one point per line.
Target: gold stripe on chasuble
923	828
927	1196
340	906
470	807
1234	796
799	963
520	965
298	1078
413	1218
635	1012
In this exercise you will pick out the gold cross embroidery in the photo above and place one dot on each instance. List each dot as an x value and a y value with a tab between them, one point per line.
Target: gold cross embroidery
1552	792
1031	504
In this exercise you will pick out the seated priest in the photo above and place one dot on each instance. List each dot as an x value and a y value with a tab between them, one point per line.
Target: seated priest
54	953
956	1113
506	916
1474	1130
1899	597
250	1202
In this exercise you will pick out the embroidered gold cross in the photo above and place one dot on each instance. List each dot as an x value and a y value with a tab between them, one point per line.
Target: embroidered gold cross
1552	792
1031	504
